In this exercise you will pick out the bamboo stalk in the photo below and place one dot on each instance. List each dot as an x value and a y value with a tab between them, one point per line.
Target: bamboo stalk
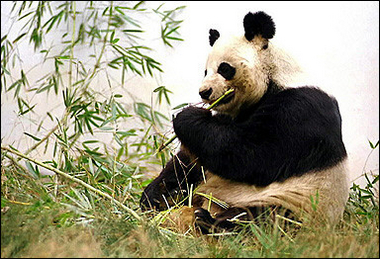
208	108
55	170
42	140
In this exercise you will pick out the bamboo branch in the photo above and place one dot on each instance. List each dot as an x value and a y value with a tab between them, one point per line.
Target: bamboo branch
208	108
55	170
42	140
99	59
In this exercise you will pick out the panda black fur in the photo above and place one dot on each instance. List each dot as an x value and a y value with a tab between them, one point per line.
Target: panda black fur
268	146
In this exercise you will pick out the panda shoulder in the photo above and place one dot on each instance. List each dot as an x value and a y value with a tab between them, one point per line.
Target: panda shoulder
307	96
302	104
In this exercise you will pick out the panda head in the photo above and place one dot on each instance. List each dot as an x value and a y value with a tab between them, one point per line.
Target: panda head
246	64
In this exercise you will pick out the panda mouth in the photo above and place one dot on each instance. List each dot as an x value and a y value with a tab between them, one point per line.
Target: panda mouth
228	98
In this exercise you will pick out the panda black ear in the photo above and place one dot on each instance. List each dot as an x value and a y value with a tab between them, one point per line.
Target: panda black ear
258	23
214	35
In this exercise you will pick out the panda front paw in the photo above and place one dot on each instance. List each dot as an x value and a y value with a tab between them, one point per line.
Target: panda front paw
157	196
152	197
184	122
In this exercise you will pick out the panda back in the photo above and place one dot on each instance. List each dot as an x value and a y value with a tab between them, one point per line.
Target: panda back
293	132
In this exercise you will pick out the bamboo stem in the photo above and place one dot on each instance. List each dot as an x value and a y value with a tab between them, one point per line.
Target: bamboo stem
208	108
55	170
42	140
102	51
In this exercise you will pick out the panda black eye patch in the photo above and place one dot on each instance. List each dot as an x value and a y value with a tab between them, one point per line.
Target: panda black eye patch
226	70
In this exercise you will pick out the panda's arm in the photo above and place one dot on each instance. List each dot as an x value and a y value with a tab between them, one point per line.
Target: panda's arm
217	141
202	133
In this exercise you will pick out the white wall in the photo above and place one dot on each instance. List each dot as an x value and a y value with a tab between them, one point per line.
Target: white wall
335	43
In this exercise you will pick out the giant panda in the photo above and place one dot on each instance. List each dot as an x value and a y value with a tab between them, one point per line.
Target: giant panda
265	146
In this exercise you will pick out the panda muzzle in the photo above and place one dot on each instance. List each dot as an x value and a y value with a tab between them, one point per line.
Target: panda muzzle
205	94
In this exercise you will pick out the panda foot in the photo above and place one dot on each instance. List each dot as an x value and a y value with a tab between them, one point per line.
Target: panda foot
203	220
207	224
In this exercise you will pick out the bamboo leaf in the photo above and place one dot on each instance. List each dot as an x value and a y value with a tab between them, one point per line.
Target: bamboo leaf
33	137
19	38
372	145
180	106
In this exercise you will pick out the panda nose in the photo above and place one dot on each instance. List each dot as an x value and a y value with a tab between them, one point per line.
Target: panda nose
205	94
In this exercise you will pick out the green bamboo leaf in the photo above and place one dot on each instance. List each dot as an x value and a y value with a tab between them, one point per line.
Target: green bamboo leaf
132	31
120	153
4	38
376	179
372	145
174	38
180	106
19	38
112	36
33	137
137	6
45	88
33	171
27	110
26	15
91	166
124	134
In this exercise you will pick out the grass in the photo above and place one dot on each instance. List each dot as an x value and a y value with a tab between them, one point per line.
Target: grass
78	223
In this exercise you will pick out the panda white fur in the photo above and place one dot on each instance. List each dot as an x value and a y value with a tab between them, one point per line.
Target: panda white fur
268	146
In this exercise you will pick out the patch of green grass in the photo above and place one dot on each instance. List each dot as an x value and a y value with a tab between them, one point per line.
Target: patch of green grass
53	216
39	226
